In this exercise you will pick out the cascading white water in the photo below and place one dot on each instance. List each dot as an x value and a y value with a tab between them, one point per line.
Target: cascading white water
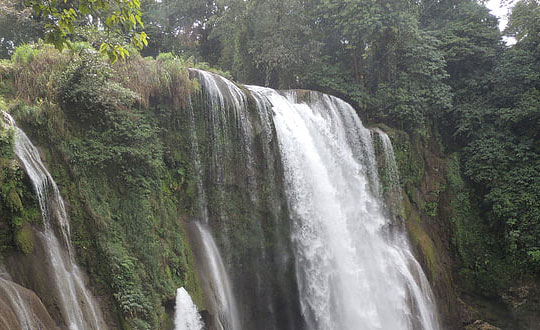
186	316
217	281
78	307
353	272
392	172
392	192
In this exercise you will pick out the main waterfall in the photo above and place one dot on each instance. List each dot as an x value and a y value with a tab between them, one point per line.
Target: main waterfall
352	261
291	207
354	272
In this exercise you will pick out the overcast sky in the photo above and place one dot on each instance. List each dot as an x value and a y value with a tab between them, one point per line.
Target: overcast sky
500	11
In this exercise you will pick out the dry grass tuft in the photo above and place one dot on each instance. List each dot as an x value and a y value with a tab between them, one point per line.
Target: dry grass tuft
166	77
36	73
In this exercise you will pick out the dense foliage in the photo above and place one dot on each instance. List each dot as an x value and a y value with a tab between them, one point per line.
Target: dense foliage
437	67
125	182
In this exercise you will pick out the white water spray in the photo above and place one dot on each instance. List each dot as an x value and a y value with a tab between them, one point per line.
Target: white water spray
186	316
353	272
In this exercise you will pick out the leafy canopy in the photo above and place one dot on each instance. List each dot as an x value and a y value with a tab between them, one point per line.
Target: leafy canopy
117	16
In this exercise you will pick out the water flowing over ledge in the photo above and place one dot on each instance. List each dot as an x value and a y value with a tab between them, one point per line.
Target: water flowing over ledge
354	266
291	227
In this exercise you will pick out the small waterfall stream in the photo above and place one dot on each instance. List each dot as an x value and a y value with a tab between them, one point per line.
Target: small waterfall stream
216	281
392	189
20	308
80	310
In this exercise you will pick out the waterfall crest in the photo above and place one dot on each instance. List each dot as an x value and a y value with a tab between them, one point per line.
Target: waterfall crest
186	316
78	307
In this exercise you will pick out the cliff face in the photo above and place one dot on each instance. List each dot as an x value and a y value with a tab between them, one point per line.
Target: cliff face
448	228
131	153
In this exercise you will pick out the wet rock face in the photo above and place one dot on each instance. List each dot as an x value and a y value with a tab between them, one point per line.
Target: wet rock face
481	325
21	308
32	272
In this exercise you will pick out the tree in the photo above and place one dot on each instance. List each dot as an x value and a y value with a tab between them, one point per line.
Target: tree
14	13
117	16
177	26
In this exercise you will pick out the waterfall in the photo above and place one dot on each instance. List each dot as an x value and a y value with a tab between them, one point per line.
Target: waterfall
186	316
392	189
78	307
216	281
240	204
20	308
353	272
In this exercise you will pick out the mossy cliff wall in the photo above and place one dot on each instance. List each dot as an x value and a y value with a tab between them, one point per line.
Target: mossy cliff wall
453	240
120	159
119	142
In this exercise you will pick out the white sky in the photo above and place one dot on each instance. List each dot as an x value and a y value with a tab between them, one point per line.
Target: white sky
501	11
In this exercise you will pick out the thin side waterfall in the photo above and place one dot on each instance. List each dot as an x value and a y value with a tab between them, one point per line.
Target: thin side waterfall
26	317
186	316
354	270
222	95
392	190
217	283
78	307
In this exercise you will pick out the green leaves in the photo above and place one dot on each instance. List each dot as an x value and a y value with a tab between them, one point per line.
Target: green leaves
122	17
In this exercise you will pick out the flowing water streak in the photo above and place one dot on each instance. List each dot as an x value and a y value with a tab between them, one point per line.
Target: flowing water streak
393	187
217	280
353	272
186	316
392	171
229	116
76	303
28	320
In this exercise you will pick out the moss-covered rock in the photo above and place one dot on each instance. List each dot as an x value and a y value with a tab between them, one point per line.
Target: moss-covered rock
24	238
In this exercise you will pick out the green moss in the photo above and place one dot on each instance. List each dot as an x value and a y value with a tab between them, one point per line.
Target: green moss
14	200
25	239
17	202
482	267
431	208
420	239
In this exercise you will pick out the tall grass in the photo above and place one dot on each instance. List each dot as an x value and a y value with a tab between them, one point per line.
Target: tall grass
36	69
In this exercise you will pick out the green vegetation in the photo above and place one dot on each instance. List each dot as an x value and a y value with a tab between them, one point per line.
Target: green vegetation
18	207
436	72
110	158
